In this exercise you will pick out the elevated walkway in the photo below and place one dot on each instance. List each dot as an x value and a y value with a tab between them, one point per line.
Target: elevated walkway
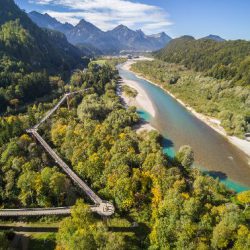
101	207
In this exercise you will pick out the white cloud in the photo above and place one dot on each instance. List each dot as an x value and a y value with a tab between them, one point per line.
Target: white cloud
106	14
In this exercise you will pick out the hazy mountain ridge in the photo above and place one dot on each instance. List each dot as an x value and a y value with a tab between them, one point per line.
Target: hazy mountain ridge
87	33
138	40
161	37
46	21
214	38
112	41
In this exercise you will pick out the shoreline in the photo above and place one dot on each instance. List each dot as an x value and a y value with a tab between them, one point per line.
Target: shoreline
141	101
213	123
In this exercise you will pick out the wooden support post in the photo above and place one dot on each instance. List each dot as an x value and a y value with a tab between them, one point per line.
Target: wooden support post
105	220
68	102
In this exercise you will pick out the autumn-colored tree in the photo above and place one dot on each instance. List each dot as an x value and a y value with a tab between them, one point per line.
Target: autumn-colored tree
244	198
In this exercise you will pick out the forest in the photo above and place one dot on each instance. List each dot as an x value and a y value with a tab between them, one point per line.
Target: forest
218	98
29	56
174	205
229	60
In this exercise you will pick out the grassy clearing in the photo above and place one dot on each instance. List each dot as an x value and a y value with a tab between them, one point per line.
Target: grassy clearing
42	241
100	61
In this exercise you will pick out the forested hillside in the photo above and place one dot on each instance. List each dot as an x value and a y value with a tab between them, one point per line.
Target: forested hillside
28	55
223	60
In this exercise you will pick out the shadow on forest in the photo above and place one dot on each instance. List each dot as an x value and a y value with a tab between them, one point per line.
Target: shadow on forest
29	229
123	229
140	229
216	174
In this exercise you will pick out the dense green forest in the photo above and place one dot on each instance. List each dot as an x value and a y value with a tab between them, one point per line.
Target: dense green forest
28	56
228	60
175	206
222	99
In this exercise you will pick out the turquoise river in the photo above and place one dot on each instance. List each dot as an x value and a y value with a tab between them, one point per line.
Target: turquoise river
213	153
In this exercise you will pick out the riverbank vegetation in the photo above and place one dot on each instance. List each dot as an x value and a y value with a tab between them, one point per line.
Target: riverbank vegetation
129	92
113	61
222	99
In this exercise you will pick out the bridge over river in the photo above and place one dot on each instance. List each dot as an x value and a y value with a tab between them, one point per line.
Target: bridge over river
100	206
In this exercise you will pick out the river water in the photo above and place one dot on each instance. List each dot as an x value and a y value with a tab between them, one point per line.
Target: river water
213	153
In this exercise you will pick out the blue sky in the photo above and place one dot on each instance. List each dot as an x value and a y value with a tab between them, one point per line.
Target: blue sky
227	18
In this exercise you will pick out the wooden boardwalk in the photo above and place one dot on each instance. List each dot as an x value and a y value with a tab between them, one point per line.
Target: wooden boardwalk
101	207
34	211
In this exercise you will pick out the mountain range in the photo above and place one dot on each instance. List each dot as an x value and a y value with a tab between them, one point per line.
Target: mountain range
46	21
86	34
